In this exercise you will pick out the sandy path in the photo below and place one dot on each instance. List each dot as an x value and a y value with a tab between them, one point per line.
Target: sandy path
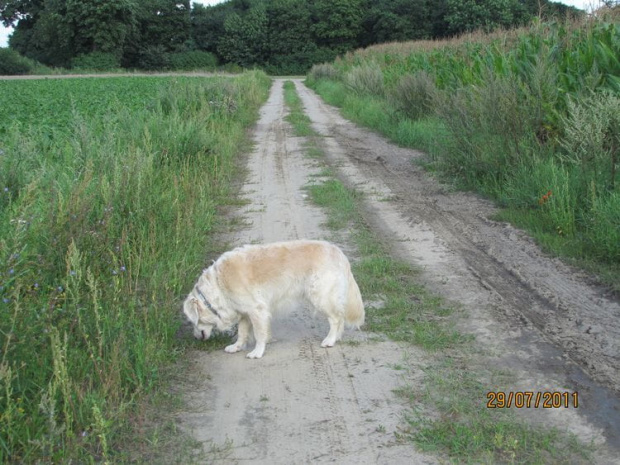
530	314
300	403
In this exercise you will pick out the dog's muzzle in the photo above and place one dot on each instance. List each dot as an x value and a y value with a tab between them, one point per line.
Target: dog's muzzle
202	334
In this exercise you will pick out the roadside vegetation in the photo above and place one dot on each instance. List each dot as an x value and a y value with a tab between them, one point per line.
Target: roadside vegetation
448	414
529	118
108	194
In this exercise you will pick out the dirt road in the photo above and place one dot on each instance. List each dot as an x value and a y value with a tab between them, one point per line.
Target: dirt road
303	404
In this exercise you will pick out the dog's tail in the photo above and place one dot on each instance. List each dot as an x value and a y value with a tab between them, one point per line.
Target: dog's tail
354	311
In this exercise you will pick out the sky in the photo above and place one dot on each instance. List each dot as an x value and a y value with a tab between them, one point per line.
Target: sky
583	4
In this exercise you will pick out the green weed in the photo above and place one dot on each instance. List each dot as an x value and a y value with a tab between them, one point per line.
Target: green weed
300	122
107	205
466	429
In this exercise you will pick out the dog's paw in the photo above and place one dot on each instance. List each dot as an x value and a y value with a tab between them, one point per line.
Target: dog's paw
255	354
327	343
231	349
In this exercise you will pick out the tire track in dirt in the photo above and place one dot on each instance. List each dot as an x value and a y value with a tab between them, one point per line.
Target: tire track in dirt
530	313
299	404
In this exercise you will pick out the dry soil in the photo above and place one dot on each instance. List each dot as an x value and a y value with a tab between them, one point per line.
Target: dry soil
530	314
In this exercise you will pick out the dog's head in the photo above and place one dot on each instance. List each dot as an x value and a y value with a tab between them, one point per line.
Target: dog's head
200	311
199	316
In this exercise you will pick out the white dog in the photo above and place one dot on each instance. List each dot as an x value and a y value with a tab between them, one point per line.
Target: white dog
248	284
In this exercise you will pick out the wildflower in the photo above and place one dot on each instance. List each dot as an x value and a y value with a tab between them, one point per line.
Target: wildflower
544	198
60	289
6	300
123	269
114	272
72	273
11	271
6	189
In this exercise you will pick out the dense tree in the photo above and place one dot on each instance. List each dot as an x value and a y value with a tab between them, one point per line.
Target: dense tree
245	37
280	35
291	46
337	23
208	26
99	25
13	11
164	22
56	31
396	20
471	15
163	27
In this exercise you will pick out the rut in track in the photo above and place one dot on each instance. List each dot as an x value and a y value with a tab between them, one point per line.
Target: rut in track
530	314
299	403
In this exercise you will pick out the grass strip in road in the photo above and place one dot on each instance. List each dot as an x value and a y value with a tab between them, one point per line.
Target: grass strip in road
459	424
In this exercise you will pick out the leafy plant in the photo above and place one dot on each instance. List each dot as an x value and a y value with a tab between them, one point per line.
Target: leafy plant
191	60
106	206
96	61
12	63
414	94
365	79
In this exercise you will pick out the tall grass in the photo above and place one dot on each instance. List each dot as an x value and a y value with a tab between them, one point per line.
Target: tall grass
528	117
103	223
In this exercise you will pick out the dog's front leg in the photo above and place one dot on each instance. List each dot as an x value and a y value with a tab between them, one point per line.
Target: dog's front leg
243	332
260	324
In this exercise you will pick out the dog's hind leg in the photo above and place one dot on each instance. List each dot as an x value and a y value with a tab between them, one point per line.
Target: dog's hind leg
336	328
243	333
260	320
329	302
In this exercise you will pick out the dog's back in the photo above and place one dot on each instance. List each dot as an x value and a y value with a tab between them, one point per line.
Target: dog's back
284	271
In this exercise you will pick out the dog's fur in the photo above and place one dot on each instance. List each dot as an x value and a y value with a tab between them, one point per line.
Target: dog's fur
248	284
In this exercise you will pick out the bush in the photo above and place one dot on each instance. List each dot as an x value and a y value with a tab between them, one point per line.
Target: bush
97	61
195	59
324	71
12	63
493	129
154	58
365	79
603	231
592	138
414	94
232	68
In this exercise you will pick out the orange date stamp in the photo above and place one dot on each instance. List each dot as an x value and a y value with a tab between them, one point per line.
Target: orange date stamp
532	399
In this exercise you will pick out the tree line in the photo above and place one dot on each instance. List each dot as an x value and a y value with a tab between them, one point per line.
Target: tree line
280	36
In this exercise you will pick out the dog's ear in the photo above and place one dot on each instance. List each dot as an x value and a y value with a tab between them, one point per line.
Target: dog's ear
190	308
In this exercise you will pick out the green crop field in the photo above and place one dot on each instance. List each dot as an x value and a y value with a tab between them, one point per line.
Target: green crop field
108	193
530	118
52	103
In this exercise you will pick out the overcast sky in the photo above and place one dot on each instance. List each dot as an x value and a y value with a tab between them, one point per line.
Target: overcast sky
583	4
